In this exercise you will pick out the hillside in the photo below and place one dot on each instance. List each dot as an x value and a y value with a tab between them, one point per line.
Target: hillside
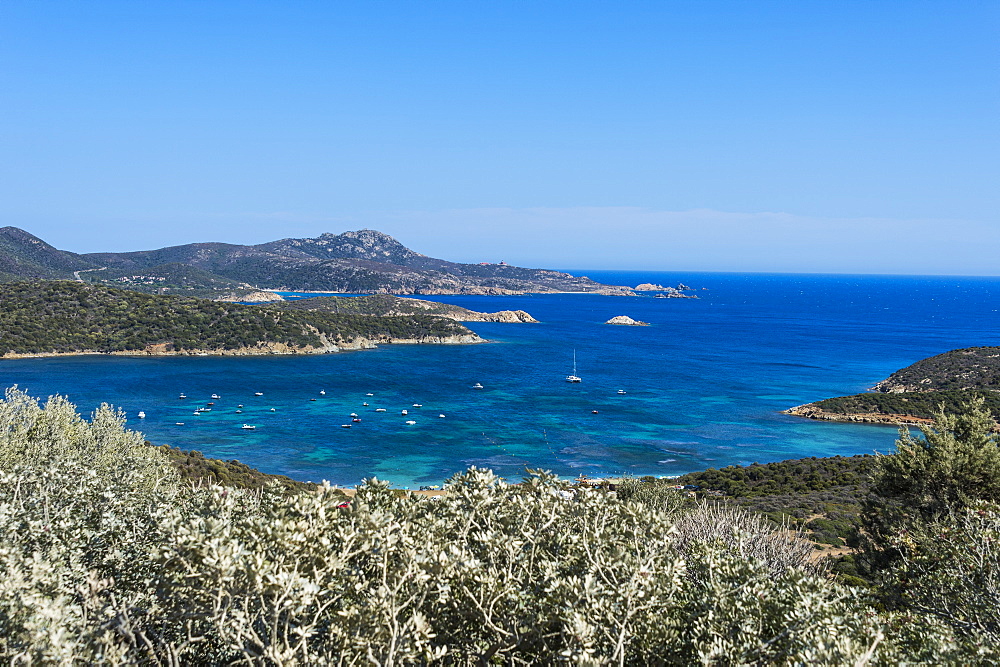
388	305
362	261
967	368
64	317
913	394
820	496
23	256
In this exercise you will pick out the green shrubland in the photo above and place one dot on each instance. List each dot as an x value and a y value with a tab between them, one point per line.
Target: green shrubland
66	316
109	557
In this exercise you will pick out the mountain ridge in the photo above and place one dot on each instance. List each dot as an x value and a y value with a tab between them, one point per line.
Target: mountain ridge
362	261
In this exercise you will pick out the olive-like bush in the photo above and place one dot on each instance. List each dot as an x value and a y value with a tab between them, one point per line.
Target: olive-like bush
107	559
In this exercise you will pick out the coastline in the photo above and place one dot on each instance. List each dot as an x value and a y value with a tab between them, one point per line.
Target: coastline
810	411
272	349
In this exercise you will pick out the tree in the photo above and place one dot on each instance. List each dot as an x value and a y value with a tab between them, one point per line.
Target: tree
931	527
955	464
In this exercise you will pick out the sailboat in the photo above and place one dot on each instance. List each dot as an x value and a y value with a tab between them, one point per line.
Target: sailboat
574	377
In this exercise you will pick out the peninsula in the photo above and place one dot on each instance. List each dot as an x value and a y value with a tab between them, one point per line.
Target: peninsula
49	318
913	394
385	305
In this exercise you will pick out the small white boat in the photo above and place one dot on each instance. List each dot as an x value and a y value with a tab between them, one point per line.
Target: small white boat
418	405
272	409
239	412
477	386
322	392
142	415
240	406
441	416
402	412
182	396
178	423
354	414
410	422
345	426
248	427
574	377
621	391
196	412
379	409
356	420
215	396
365	404
369	394
257	393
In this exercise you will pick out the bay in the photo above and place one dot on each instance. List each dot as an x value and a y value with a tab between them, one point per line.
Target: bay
705	382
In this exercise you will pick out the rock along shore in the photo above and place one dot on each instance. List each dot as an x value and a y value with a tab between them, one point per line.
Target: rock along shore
812	411
268	349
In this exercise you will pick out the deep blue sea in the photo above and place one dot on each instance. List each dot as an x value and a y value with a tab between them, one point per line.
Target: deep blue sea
704	384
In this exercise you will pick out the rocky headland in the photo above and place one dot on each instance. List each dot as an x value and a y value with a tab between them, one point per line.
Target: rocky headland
913	395
250	296
390	305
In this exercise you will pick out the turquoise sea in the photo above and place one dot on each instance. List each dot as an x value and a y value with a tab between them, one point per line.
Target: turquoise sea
704	384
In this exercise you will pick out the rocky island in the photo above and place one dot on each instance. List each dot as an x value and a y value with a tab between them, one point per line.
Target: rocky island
912	395
625	320
50	318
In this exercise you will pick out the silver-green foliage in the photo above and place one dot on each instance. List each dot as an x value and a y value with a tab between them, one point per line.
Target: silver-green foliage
492	572
79	503
108	560
949	569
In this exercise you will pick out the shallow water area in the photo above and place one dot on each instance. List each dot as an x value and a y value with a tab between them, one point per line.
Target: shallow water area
705	383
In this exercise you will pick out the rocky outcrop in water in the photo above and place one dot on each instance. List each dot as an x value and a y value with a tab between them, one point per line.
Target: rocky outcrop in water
625	320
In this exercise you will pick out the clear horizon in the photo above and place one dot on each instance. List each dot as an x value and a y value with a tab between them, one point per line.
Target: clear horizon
860	138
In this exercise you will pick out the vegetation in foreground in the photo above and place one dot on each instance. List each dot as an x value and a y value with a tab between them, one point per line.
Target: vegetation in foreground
194	468
66	317
822	497
110	558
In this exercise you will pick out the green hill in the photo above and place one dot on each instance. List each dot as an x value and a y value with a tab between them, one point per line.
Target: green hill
67	317
23	256
964	369
914	393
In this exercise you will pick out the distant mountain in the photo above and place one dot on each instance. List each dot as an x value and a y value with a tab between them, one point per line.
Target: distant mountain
25	256
361	261
352	262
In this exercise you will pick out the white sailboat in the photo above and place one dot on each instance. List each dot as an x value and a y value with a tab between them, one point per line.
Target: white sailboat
574	377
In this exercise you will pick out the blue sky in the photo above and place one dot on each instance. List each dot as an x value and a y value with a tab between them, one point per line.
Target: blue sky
767	136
